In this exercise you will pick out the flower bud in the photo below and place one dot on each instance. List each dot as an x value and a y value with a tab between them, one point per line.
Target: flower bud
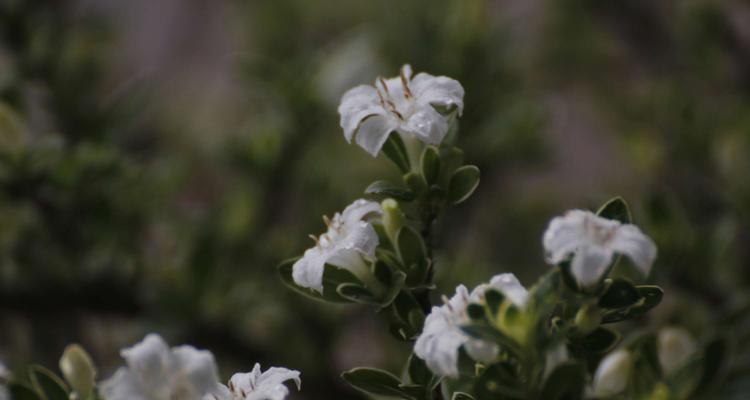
393	218
675	346
588	318
612	374
78	369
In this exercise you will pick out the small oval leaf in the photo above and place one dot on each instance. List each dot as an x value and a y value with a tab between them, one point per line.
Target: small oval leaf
463	183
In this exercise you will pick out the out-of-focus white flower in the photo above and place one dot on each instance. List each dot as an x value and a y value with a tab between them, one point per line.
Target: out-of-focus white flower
156	372
674	346
4	376
403	104
257	385
593	241
442	337
349	238
612	374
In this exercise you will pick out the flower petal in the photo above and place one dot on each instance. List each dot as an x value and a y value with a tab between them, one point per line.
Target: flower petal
359	210
197	369
427	124
438	90
565	235
357	104
511	288
589	264
373	132
362	238
123	385
277	376
630	241
149	359
307	272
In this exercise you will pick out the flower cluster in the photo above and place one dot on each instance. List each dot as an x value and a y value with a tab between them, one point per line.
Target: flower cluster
498	340
156	372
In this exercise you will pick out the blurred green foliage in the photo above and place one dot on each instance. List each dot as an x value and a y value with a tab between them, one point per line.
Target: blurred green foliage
128	205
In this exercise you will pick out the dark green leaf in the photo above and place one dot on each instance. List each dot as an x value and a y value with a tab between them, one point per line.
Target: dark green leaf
599	341
463	183
395	150
418	371
616	209
566	382
393	288
411	248
389	189
498	381
382	272
20	391
356	293
620	293
651	297
47	383
430	164
475	311
375	381
415	182
494	299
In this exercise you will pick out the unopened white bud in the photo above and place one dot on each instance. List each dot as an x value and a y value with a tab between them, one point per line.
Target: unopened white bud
78	369
675	346
612	374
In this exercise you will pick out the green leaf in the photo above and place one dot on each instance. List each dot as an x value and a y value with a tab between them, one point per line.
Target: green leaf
475	311
356	293
462	184
21	391
375	381
412	252
332	278
650	297
616	209
418	371
619	294
601	340
494	299
567	381
47	383
395	150
394	288
415	182
430	164
389	189
462	396
498	381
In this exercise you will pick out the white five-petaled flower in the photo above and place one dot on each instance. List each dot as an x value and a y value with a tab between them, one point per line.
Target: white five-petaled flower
612	374
442	337
675	346
349	238
156	372
593	241
403	104
257	385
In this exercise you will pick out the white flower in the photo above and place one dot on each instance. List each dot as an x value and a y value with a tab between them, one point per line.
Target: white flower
4	376
675	346
593	241
349	238
370	113
612	374
156	372
442	337
257	385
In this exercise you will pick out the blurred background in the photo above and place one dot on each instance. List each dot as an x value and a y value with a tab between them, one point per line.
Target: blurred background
159	159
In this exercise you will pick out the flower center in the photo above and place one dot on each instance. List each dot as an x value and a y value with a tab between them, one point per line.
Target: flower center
398	104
